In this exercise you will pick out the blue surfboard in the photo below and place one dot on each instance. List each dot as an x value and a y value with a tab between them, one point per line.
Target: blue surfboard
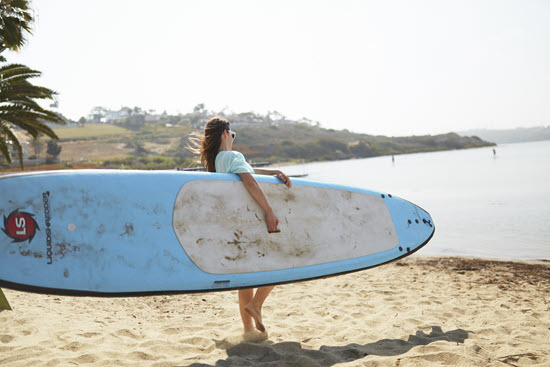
126	233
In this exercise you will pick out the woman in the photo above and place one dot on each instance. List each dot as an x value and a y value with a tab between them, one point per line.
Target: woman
215	151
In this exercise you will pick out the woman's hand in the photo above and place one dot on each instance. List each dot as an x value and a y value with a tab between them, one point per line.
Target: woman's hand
274	172
283	177
272	222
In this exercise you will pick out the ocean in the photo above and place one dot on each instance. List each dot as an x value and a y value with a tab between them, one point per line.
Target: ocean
483	204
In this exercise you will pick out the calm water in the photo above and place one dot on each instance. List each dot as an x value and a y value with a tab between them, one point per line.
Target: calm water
482	205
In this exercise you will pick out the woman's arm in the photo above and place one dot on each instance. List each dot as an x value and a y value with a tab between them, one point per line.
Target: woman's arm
257	193
274	172
269	172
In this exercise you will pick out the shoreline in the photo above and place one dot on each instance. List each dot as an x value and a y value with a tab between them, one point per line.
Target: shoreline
97	164
482	258
419	311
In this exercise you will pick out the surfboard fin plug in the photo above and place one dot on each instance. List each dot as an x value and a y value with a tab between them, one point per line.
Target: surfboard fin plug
4	305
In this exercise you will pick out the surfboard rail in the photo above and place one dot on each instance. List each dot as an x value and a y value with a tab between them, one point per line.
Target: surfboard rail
80	293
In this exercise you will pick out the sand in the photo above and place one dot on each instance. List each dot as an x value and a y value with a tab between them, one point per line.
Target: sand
415	312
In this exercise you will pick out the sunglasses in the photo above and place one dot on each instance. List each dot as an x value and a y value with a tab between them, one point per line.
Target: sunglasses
232	133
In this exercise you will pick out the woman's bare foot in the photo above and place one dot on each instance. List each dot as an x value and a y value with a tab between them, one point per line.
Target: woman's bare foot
256	315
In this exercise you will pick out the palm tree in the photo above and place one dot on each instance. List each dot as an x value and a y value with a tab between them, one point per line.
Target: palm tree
18	106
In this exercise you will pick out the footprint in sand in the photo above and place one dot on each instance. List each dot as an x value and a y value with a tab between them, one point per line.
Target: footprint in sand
73	347
141	356
86	358
6	338
89	335
201	343
126	333
171	331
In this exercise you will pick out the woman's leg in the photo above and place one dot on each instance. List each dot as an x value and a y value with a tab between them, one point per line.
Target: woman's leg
254	307
245	297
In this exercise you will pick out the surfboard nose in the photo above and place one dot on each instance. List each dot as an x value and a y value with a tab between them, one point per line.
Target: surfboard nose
414	226
425	228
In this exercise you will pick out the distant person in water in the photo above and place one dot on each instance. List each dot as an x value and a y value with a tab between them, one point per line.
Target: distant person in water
215	151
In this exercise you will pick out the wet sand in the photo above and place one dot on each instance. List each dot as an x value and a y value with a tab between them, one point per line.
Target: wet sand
420	311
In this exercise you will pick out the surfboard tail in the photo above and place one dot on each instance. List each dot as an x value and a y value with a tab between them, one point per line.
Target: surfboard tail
4	304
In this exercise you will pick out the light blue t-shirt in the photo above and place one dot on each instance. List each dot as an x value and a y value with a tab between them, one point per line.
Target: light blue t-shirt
232	162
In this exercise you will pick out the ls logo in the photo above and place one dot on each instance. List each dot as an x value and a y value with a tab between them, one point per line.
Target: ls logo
20	226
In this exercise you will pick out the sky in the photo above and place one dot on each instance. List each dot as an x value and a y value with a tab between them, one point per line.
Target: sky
392	68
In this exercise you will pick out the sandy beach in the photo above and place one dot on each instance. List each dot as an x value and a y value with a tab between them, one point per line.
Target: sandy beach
419	311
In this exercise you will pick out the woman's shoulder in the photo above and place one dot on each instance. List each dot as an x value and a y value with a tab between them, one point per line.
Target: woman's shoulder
232	162
229	154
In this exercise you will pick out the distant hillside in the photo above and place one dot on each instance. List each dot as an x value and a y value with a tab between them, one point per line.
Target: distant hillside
141	141
518	135
312	143
164	147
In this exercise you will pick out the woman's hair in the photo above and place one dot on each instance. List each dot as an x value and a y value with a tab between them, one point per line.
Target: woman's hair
207	146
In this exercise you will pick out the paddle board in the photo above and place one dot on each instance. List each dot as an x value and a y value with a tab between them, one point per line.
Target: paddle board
124	233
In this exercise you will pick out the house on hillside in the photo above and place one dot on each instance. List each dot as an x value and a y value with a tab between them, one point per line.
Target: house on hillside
106	116
114	116
96	114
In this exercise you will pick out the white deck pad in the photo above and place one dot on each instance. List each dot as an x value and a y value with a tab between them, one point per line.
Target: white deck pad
223	230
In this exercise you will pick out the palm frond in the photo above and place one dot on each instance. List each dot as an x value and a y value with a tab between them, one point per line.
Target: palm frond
5	150
10	136
4	147
15	20
9	70
32	126
25	92
31	111
16	145
12	76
